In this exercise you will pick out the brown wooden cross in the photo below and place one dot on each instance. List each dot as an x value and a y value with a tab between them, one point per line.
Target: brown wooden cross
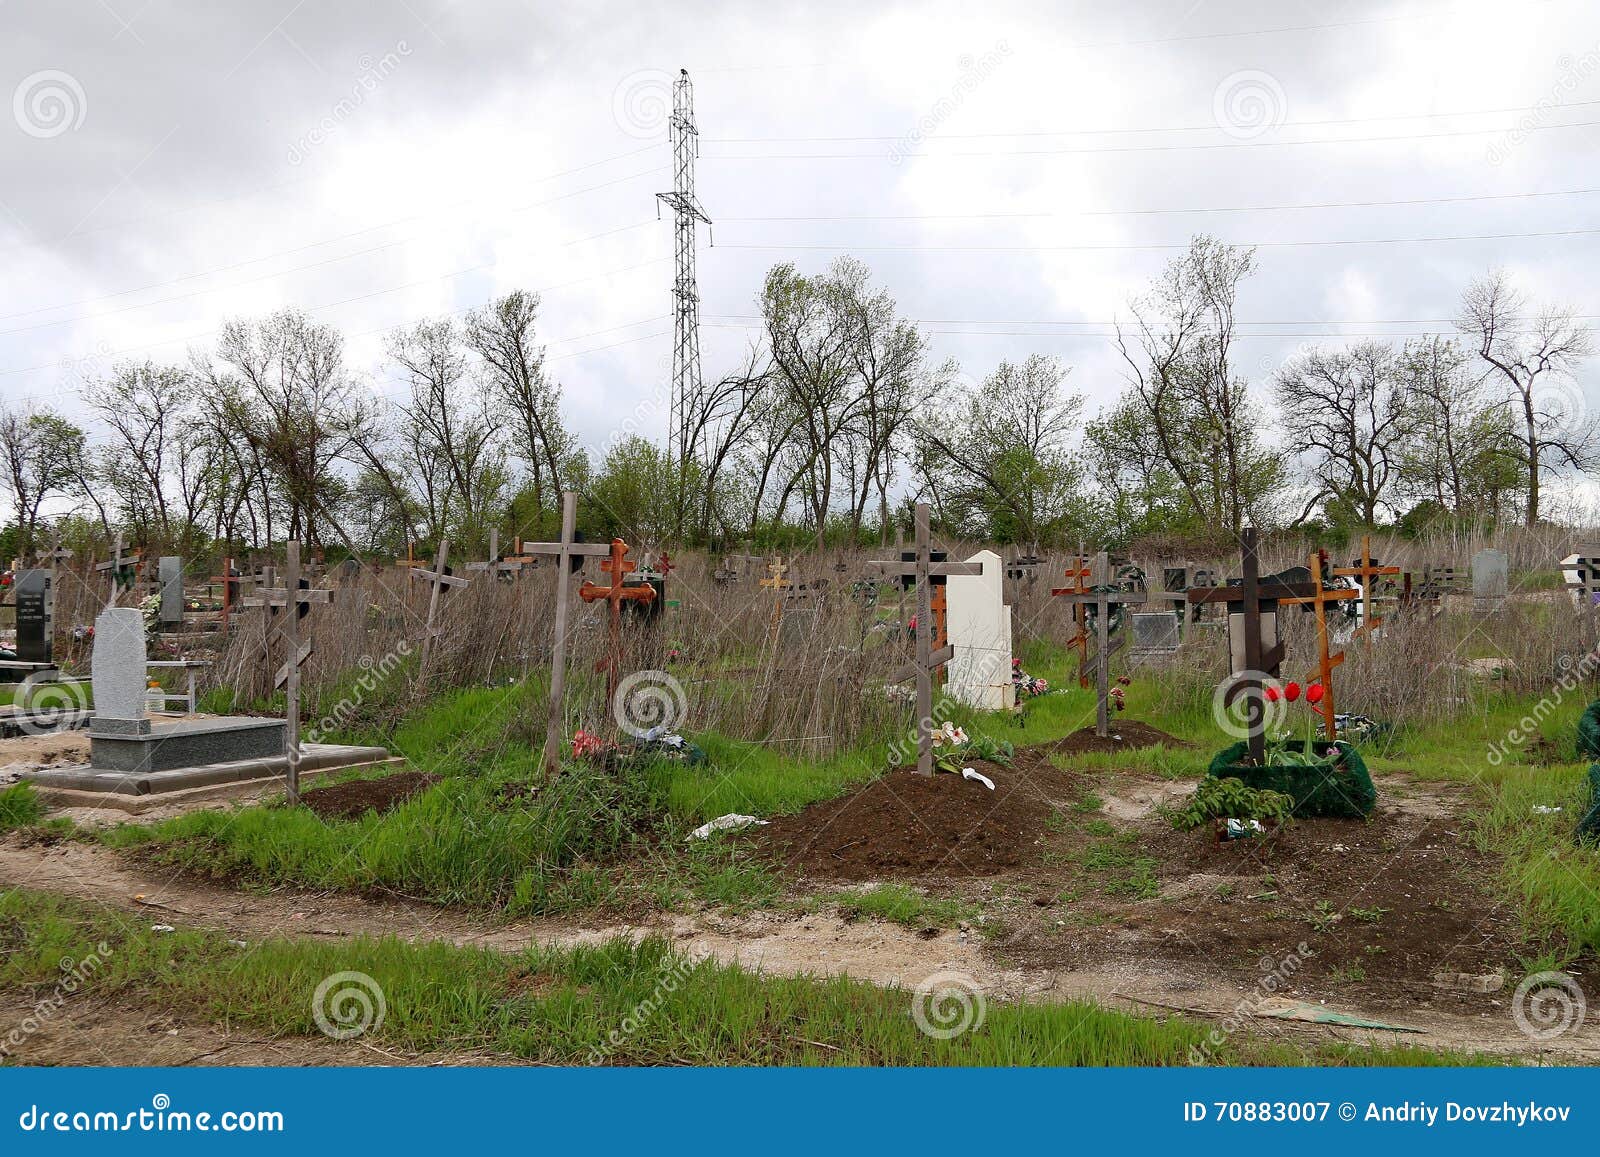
1326	661
1249	599
1104	599
441	580
1366	570
566	552
777	584
229	579
615	594
1078	570
922	570
295	599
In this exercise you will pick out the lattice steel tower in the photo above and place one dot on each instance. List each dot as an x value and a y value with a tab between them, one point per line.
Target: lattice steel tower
685	139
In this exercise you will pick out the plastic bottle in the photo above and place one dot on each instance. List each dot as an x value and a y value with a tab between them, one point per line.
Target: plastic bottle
154	699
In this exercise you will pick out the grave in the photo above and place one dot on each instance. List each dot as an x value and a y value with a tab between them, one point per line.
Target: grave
1581	572
1489	580
169	580
1155	633
979	625
132	756
1104	606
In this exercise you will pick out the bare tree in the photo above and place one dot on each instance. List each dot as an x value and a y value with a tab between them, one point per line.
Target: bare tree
37	450
1344	412
1534	356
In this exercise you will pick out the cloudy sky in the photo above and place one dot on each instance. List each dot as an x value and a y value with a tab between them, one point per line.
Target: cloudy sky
1012	173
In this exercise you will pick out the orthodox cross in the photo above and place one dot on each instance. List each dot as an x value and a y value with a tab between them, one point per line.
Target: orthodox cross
615	594
1366	569
569	555
1078	570
297	600
122	566
1326	662
1104	600
1257	661
440	580
922	570
777	584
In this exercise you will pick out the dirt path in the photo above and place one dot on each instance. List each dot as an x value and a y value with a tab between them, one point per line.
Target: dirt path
777	943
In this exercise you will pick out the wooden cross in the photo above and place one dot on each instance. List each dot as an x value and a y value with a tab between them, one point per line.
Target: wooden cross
440	580
923	570
229	578
1326	661
1366	569
501	568
119	564
1249	599
1078	570
295	599
1104	599
615	594
778	584
569	554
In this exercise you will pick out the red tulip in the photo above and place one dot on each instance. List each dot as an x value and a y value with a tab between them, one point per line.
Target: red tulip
1291	691
1315	693
1272	693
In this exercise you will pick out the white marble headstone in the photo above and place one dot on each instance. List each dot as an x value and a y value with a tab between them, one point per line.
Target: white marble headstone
979	624
119	656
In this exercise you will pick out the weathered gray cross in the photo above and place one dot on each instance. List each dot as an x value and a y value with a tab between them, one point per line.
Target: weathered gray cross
497	565
569	555
1104	599
922	570
441	580
297	601
119	564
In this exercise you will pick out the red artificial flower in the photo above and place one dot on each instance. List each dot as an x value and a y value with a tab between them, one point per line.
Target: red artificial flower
1272	693
1291	691
1315	693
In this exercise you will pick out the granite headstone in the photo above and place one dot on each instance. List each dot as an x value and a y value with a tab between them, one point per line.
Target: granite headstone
34	614
119	671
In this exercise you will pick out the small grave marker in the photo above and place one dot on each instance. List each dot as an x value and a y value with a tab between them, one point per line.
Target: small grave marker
440	580
1490	575
295	597
1103	600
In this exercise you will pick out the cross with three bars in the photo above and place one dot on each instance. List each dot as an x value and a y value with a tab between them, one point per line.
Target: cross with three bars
615	594
1104	599
923	570
291	596
1078	570
1366	569
1326	660
569	554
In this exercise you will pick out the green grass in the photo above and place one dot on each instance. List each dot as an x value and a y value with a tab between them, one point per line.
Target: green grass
19	807
620	1002
902	904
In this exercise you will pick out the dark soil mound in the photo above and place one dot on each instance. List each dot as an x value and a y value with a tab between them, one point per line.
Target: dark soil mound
1126	735
910	825
351	801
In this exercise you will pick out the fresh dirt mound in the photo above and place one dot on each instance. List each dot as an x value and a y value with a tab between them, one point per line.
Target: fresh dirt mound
910	825
351	801
1127	735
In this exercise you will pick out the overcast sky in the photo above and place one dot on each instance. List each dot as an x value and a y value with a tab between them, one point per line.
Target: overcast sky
1012	173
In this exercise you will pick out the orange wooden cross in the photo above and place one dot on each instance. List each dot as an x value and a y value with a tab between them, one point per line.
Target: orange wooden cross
1326	662
1366	570
617	593
1078	570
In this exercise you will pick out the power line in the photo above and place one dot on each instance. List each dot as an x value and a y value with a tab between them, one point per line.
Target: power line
1180	211
1209	126
1111	335
846	247
1150	148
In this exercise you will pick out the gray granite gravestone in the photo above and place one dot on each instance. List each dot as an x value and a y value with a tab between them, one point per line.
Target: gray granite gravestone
34	615
170	575
1155	633
1489	569
119	673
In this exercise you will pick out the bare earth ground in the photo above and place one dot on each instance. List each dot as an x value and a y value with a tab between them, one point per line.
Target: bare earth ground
1053	929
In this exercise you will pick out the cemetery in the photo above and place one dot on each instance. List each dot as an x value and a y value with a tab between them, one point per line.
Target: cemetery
1122	786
